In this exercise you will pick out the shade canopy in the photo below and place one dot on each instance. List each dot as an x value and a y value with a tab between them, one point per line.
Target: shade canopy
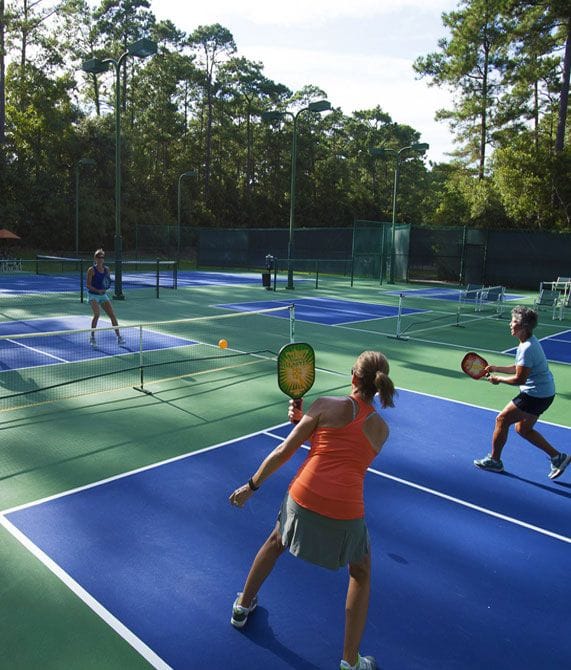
6	234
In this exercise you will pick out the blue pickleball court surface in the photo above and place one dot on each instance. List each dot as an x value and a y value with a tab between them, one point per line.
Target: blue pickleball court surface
326	311
470	569
70	347
557	347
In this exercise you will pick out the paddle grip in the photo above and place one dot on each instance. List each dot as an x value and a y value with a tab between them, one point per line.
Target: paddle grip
297	412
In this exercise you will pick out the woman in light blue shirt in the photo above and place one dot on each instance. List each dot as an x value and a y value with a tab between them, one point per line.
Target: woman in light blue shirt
537	391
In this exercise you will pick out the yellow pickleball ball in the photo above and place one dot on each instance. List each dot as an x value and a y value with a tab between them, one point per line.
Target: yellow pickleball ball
222	343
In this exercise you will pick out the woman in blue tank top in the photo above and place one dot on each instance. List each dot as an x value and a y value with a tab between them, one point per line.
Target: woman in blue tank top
98	278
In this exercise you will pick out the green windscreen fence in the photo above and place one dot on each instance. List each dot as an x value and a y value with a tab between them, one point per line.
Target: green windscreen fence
248	247
372	243
455	254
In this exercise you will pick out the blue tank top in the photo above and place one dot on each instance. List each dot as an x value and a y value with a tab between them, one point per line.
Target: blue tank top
98	277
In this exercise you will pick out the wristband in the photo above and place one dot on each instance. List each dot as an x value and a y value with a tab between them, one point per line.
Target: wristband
251	485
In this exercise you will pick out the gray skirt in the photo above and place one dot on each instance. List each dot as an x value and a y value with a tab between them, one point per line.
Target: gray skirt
329	543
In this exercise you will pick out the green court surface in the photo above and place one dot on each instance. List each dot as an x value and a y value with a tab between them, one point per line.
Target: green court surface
50	447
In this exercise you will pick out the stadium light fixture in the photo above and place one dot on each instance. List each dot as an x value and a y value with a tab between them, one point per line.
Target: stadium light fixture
275	115
190	173
382	152
140	49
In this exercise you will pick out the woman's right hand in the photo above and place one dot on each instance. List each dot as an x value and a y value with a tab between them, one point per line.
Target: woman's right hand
294	411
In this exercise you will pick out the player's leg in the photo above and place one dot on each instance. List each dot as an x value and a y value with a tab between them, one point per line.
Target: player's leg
356	608
506	418
263	564
559	460
108	307
526	429
96	312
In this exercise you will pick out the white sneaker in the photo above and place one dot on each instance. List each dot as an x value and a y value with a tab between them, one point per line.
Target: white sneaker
92	341
558	465
120	340
240	614
363	663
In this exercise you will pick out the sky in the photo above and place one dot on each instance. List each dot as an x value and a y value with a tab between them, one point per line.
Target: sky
360	52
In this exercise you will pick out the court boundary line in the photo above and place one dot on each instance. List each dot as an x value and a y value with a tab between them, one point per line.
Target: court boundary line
76	589
79	591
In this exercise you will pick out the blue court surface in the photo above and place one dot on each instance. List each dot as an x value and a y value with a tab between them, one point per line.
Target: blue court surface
29	283
557	347
326	311
470	569
200	278
68	347
444	294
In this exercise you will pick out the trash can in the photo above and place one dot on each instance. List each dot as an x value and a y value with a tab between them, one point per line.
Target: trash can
267	273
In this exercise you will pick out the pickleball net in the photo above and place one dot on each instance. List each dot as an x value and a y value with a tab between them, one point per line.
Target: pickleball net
442	308
40	367
156	273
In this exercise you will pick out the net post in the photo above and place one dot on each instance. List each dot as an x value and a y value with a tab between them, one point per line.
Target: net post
458	310
398	335
500	302
292	323
141	386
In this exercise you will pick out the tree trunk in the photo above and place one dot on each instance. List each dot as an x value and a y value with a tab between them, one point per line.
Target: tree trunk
564	98
2	76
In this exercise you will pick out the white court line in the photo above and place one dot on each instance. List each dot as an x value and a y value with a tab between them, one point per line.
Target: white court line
37	351
122	630
146	652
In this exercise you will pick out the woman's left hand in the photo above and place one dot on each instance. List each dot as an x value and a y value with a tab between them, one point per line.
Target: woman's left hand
240	496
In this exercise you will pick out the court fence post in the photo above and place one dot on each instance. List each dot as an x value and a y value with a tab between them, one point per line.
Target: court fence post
81	280
158	275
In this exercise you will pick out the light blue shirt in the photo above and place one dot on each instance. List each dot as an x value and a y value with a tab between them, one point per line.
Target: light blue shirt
539	382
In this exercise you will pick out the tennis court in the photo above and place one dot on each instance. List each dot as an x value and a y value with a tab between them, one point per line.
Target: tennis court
120	550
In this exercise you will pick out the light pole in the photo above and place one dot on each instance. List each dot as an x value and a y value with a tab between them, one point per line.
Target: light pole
80	162
275	115
190	173
141	49
385	153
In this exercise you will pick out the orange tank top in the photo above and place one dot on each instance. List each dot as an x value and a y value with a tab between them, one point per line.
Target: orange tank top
330	480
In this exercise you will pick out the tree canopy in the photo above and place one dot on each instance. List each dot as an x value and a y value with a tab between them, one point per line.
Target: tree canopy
198	105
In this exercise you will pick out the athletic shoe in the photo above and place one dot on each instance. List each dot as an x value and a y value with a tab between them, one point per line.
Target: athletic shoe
363	663
490	464
558	465
240	614
120	340
92	341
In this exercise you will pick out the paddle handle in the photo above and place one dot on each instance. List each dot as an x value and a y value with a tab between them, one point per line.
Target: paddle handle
296	410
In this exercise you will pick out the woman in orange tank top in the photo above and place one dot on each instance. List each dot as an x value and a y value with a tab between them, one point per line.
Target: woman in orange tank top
322	515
